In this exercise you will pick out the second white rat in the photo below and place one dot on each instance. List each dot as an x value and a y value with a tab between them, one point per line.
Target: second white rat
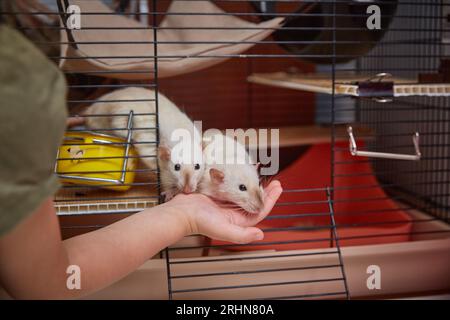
230	174
111	113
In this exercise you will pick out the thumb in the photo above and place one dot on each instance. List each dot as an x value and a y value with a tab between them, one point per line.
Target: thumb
241	235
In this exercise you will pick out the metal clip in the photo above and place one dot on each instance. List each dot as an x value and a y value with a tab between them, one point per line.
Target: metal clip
355	152
379	91
380	76
383	100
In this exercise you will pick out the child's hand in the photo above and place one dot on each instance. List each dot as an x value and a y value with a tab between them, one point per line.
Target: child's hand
204	216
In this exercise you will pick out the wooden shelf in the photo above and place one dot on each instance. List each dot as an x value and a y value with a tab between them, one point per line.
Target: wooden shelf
345	84
313	134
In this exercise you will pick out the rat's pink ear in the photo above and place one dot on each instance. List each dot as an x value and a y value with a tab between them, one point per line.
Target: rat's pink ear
216	175
164	153
257	166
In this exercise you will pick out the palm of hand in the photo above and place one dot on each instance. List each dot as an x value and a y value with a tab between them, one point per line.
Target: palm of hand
222	223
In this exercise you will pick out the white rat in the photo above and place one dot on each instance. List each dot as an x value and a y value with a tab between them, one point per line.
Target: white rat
178	174
230	174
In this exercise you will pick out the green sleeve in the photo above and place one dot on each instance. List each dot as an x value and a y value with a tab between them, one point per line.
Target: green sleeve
32	123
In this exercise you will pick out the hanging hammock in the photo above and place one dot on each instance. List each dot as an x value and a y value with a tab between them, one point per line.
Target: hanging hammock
101	50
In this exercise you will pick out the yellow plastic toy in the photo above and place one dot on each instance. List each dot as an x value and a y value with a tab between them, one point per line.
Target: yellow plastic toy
88	158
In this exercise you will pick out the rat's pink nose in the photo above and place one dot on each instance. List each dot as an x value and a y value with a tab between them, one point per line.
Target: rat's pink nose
187	189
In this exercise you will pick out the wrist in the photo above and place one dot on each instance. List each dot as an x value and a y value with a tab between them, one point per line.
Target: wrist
183	217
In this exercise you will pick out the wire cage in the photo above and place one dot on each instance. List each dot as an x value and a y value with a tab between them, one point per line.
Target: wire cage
369	185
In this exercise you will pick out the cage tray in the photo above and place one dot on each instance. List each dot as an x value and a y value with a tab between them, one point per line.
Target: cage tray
426	255
347	84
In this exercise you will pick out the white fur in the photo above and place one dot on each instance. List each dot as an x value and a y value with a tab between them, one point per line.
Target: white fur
170	119
230	157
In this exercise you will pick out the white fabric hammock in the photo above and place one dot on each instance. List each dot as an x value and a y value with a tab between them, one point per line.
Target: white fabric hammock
106	54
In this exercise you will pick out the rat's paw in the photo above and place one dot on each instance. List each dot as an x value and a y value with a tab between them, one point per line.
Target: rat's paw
168	195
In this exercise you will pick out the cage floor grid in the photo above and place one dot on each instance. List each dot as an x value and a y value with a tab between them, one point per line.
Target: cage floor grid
211	278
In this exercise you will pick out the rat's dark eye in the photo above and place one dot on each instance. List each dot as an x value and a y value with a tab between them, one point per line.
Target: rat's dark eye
197	167
242	187
177	167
